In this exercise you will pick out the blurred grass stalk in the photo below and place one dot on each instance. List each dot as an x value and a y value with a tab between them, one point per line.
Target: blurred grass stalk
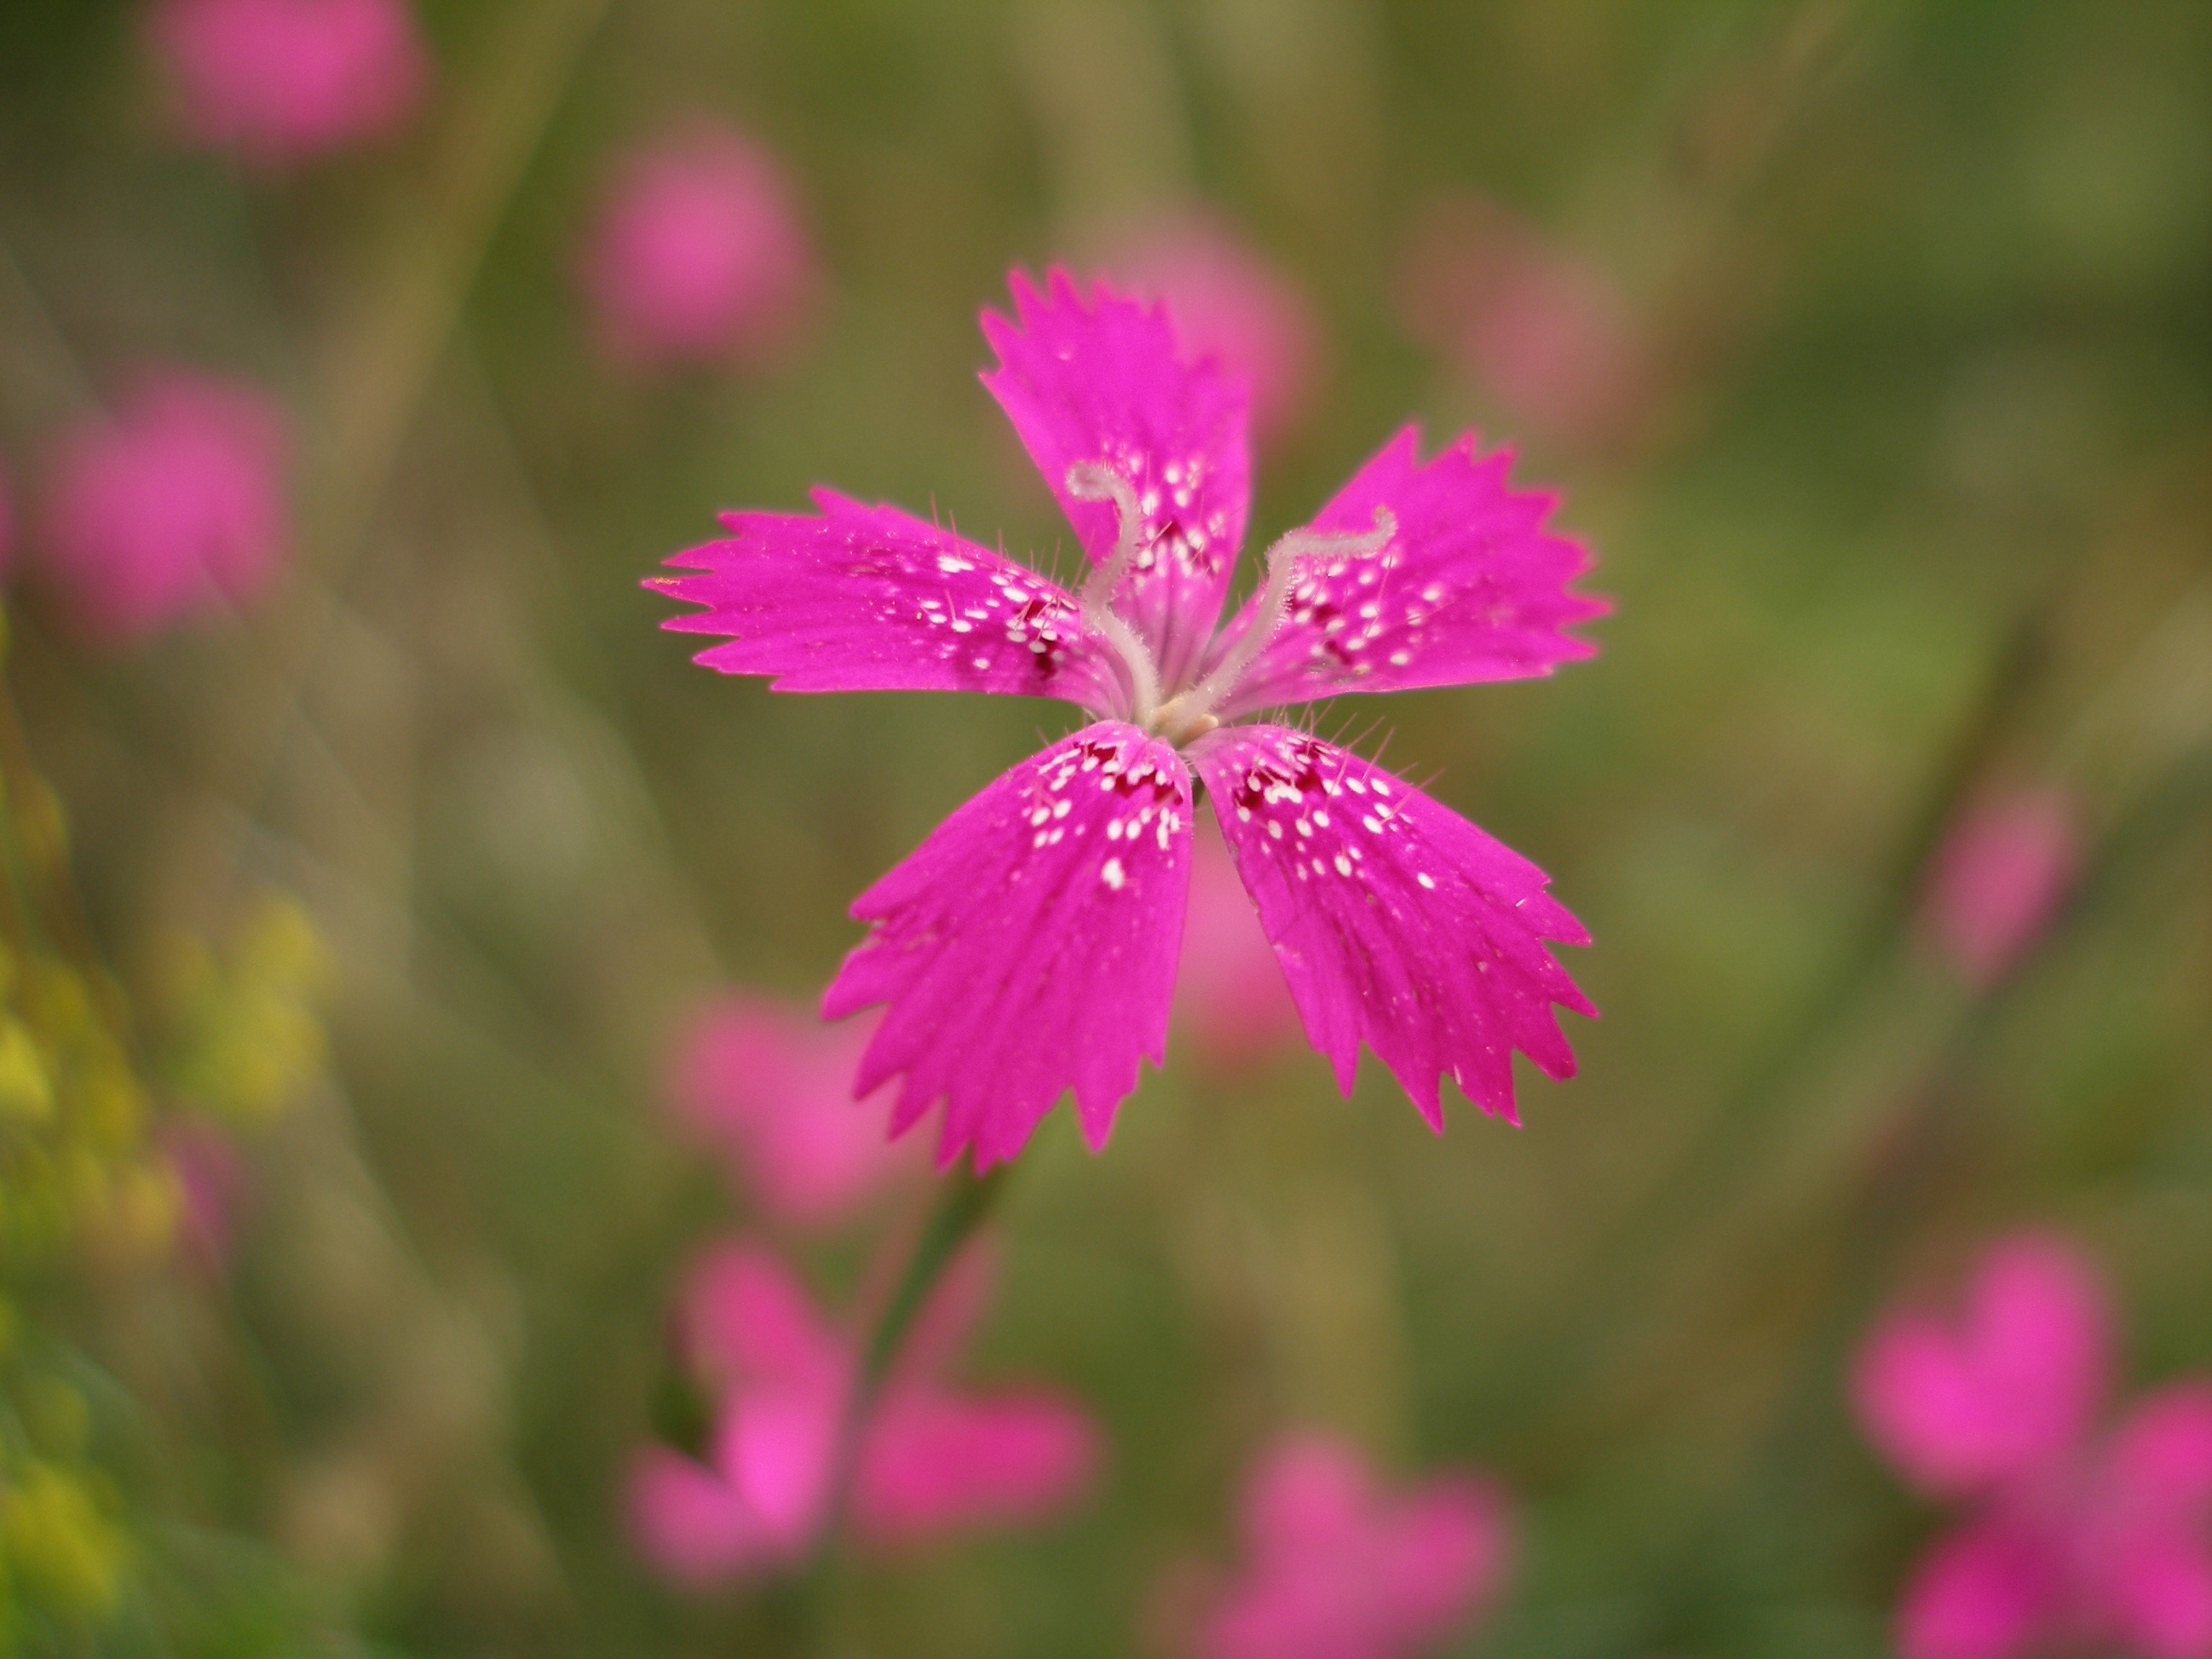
371	370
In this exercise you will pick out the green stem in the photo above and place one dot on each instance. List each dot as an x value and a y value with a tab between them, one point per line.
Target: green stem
962	1206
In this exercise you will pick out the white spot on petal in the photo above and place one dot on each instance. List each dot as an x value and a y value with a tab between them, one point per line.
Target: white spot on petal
1110	873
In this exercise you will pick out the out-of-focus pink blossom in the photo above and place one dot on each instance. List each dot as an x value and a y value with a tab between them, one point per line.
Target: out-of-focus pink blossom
1335	1569
171	504
277	81
771	1089
7	528
2015	1381
698	254
1231	996
2073	1540
1998	878
1227	301
1543	332
212	1179
930	1460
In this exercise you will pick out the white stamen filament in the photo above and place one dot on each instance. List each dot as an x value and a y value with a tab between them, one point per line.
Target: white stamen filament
1190	714
1094	481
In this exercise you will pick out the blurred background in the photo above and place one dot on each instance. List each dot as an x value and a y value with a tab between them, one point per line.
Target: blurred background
359	897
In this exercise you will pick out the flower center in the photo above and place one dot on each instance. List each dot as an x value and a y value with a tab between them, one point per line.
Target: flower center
1188	714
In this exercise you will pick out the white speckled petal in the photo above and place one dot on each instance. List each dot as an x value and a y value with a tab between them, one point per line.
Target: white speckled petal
1397	923
1027	947
1472	587
865	598
1098	381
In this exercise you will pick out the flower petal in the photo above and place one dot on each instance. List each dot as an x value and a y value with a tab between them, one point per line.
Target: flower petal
1470	588
1336	1568
777	1446
2003	1393
1102	382
2159	1467
769	1086
2158	1597
871	599
1448	1551
1308	1496
1027	947
933	1461
692	1523
1986	1592
1397	920
747	1320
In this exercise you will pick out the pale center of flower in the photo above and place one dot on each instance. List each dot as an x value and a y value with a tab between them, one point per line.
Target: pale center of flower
1186	712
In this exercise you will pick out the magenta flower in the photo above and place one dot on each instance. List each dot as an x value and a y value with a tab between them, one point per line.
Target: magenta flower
929	1461
1027	947
771	1089
1335	1569
279	81
1227	301
170	505
2074	1541
1999	877
698	254
1230	996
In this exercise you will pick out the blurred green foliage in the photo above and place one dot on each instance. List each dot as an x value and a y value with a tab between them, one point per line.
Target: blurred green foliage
1918	501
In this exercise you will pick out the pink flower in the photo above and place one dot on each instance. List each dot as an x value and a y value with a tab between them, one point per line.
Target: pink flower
771	1088
930	1461
2073	1540
698	254
7	529
172	504
1229	995
212	1179
279	81
1029	945
1545	333
1227	301
1334	1569
1998	878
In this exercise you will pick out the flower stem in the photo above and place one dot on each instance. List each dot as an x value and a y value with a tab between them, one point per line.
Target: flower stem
962	1204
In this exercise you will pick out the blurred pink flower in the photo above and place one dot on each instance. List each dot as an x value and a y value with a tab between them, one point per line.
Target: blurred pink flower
2073	1542
1227	301
7	529
1231	995
771	1088
1336	1570
698	253
1999	877
279	81
212	1181
930	1460
171	504
1543	332
1960	1406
